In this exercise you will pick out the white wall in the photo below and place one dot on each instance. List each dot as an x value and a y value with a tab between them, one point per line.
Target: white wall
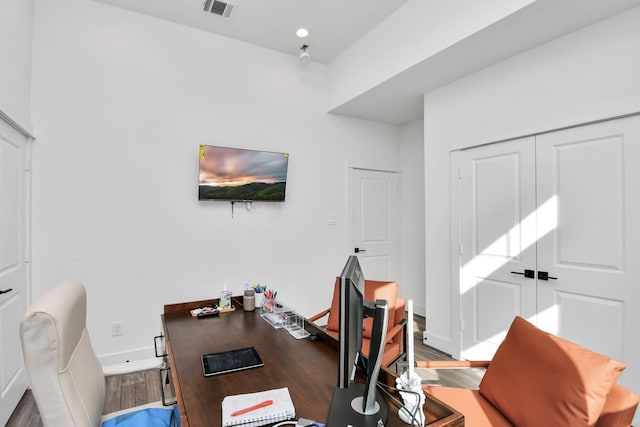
16	25
584	76
414	33
412	284
121	102
587	75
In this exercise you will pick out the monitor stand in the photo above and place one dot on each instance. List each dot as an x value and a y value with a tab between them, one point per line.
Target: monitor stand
346	408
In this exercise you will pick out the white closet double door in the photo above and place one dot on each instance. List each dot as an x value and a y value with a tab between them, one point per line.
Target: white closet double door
550	231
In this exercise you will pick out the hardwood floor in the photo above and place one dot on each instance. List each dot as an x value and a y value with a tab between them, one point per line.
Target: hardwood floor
137	388
26	413
462	378
122	392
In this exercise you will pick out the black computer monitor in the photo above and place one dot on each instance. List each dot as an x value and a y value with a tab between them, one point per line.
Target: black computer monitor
356	402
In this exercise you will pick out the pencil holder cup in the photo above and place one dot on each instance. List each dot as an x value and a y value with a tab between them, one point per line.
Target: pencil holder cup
269	303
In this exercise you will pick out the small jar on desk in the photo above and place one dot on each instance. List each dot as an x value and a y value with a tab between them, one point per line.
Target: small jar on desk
249	300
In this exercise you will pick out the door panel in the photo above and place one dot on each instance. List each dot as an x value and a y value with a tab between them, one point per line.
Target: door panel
374	222
10	315
580	312
498	238
501	294
13	268
588	179
592	172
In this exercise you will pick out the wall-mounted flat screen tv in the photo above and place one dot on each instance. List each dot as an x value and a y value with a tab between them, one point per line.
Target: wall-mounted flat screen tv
236	174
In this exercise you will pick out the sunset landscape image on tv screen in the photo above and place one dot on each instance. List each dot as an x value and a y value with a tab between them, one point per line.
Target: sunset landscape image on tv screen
239	174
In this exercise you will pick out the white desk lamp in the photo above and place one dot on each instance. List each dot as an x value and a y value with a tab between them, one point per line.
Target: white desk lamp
410	381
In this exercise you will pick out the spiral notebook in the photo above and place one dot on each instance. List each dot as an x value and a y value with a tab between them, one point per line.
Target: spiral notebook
280	409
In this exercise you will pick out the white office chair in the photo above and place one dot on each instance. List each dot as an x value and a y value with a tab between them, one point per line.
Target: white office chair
65	375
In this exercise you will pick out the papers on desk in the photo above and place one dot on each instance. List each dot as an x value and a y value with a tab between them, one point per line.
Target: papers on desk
281	408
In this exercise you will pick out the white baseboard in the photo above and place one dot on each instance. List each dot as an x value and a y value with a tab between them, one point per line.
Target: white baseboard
138	365
129	361
419	309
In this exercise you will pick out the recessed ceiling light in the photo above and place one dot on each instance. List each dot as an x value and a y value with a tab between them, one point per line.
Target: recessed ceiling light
302	32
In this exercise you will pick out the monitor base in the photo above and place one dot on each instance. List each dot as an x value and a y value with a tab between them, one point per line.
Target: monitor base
343	414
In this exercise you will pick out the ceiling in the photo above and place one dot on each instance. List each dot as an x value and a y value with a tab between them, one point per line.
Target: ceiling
400	99
333	24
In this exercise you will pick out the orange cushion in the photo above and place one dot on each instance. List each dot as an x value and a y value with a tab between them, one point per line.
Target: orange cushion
372	290
477	411
538	379
389	355
333	322
619	408
391	350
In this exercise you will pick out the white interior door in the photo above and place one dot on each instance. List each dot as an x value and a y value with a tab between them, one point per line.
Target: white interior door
498	242
570	212
14	273
590	180
374	216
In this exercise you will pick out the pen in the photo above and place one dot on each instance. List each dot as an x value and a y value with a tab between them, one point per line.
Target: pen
252	408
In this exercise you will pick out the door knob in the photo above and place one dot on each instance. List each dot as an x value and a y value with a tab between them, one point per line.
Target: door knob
529	274
358	250
5	291
543	275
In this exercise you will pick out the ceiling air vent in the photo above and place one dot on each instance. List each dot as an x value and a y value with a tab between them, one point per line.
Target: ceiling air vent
219	7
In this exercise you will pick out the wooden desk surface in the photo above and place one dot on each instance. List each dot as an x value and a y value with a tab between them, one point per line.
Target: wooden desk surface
307	368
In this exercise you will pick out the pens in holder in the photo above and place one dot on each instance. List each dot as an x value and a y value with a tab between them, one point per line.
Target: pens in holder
252	408
269	300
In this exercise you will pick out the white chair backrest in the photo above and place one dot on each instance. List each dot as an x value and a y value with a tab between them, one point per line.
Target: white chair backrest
65	375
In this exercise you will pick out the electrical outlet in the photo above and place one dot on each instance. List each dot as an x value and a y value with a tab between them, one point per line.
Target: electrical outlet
117	329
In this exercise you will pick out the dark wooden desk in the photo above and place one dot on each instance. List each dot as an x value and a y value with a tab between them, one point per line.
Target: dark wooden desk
307	368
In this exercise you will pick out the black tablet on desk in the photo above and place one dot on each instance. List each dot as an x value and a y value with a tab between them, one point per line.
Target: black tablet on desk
230	361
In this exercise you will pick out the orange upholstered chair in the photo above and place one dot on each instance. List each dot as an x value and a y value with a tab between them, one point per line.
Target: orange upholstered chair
395	346
539	379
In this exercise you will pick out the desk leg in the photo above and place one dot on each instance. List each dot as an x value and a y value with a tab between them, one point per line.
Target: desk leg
164	380
176	386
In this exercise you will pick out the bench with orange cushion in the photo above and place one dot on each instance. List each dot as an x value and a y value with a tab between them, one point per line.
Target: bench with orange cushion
538	379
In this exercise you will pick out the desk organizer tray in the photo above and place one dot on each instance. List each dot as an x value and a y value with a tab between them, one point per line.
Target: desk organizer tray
291	321
202	312
295	325
277	319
